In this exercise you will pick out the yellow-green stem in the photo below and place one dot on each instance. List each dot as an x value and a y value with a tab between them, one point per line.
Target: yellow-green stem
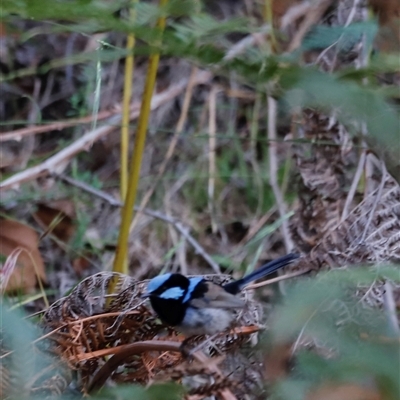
129	65
127	211
128	78
269	18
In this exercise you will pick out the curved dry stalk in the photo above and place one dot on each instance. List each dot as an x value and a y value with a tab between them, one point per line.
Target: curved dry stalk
126	351
121	353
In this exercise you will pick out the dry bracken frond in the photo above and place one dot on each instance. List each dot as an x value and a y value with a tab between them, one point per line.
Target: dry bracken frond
85	325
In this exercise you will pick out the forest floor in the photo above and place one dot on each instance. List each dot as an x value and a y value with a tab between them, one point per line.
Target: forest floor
273	128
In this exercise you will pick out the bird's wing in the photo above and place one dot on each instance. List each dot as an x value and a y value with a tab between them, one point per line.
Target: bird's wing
217	297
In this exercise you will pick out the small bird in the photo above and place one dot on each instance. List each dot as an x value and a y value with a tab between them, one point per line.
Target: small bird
195	306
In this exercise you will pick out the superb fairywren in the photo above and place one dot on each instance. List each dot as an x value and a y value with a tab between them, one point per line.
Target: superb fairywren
196	306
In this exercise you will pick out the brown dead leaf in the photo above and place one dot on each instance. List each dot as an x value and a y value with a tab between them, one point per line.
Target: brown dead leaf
29	266
276	361
346	391
80	264
388	12
3	30
57	217
280	7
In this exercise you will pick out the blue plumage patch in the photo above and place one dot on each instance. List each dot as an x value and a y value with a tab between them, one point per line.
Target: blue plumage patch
173	293
156	282
192	285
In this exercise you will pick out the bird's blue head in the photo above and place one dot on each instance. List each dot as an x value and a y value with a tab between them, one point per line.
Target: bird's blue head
167	294
168	286
157	282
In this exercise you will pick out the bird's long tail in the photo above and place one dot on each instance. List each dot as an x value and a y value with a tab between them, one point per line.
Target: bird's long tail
266	269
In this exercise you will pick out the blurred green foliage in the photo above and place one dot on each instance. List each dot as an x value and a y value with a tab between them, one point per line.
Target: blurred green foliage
359	343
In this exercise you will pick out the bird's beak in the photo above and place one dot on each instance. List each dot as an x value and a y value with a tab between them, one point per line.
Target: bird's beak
145	295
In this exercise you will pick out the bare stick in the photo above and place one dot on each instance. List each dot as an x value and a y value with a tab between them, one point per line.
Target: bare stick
155	214
56	163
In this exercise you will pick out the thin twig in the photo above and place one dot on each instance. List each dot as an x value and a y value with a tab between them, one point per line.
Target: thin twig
314	13
273	172
247	42
255	228
376	202
348	22
274	280
171	148
352	13
313	314
126	101
294	13
212	144
390	307
56	163
353	187
178	241
155	214
18	134
8	268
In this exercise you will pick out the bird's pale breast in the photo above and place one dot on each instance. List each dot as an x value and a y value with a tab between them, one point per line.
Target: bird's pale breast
205	321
